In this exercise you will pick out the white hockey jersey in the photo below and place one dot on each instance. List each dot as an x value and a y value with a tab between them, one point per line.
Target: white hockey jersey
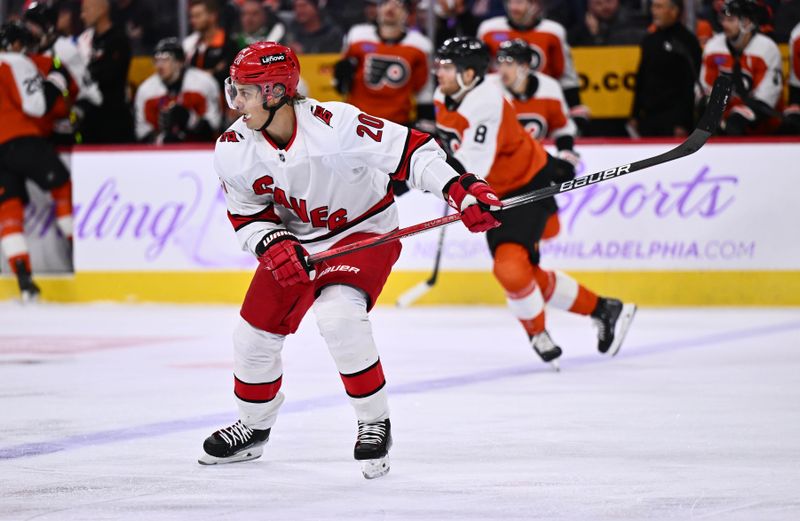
329	181
760	65
199	94
485	136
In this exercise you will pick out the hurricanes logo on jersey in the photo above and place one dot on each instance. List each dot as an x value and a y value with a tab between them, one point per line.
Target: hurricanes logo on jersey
534	124
381	69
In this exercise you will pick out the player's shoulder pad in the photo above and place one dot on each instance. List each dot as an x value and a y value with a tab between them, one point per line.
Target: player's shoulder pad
548	87
438	95
416	39
498	23
795	35
553	27
485	101
195	76
764	47
362	33
150	86
716	45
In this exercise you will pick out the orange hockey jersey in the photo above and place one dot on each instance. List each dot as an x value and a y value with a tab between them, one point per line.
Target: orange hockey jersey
548	41
388	75
21	97
761	71
483	134
543	112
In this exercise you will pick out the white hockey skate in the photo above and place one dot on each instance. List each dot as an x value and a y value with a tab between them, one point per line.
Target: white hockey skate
612	319
232	444
372	448
546	349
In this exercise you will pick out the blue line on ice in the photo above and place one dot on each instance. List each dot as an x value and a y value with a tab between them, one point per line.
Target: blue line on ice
212	420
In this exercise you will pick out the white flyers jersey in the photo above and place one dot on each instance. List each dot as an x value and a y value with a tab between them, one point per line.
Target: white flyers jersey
547	40
544	113
760	63
199	94
332	178
485	136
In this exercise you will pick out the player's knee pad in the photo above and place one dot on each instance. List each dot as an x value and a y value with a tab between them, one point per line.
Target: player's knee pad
342	319
512	267
255	348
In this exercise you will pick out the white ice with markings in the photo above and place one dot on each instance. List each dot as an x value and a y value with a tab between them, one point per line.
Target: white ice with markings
104	408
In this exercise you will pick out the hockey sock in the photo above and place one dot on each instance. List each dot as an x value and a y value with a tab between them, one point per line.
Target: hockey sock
342	319
563	292
62	197
514	271
12	239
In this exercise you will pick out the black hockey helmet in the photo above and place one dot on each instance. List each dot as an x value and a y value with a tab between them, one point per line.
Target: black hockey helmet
516	50
753	10
12	32
172	47
42	14
465	52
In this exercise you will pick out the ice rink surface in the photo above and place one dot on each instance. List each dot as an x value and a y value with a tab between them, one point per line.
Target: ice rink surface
104	408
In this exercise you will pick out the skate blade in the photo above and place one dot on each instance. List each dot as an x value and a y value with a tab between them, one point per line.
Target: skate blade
623	324
375	468
245	455
555	365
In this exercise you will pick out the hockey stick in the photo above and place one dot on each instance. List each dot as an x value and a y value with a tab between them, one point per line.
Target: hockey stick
705	128
412	295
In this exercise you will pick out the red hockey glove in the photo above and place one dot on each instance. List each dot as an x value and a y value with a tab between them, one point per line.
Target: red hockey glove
282	254
474	198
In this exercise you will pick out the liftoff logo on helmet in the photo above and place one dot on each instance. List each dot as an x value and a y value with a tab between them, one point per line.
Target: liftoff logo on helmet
274	58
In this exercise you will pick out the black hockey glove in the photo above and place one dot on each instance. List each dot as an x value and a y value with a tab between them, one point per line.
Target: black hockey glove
343	73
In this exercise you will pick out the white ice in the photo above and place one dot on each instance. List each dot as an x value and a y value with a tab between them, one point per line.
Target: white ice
103	410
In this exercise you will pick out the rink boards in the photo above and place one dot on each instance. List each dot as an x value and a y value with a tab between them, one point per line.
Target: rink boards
716	228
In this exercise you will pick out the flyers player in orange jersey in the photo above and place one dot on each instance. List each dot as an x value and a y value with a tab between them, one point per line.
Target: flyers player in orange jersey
541	109
754	63
26	97
551	54
385	66
480	126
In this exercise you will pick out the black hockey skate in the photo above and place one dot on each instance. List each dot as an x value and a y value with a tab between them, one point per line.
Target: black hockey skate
235	443
546	348
28	289
612	318
372	448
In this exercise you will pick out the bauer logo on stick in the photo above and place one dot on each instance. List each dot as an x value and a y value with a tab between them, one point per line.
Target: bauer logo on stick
595	178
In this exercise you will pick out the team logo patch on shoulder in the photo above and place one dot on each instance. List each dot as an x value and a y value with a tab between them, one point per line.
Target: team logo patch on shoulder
322	114
231	136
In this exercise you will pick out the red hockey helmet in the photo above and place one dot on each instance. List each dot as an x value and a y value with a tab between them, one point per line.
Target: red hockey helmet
272	66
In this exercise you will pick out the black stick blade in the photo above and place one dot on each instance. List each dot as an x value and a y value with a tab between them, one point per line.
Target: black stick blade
717	101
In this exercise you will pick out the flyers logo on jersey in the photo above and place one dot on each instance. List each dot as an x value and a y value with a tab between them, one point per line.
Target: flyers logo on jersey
538	58
535	124
381	69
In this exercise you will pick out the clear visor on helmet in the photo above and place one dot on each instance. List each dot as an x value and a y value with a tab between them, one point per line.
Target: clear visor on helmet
443	64
249	92
505	59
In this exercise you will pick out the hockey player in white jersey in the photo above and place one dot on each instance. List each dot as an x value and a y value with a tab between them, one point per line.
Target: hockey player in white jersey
300	176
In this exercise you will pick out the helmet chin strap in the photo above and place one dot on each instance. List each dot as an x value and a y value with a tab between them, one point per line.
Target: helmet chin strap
522	75
463	88
738	42
272	111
